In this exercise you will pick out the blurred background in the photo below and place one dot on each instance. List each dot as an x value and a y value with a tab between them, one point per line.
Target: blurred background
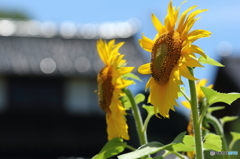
49	64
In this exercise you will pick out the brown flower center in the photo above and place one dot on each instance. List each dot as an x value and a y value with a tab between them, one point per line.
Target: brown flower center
105	89
165	55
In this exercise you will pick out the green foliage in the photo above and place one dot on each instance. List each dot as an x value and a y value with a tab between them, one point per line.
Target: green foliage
235	137
139	98
152	147
213	142
188	144
212	109
149	109
227	119
126	102
209	61
214	96
132	76
111	148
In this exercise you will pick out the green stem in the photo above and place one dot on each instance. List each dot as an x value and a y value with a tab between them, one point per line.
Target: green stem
137	117
178	155
130	147
170	152
185	95
195	118
203	112
231	144
146	122
219	130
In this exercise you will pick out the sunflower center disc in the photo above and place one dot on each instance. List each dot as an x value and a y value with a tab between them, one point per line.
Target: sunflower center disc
165	55
105	89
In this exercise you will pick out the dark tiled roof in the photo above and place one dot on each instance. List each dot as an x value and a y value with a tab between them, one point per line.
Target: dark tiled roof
231	70
57	55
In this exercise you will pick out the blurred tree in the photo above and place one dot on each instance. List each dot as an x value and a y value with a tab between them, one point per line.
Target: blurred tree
17	15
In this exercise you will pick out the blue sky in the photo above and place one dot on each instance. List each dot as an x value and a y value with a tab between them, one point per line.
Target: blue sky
222	19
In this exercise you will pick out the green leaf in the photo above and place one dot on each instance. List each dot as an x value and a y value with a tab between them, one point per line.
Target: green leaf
179	138
209	61
149	109
227	119
152	147
111	148
213	142
214	96
235	137
139	98
126	102
132	76
149	148
188	144
212	109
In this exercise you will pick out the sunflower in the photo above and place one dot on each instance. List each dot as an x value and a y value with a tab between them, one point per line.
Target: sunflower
172	52
110	84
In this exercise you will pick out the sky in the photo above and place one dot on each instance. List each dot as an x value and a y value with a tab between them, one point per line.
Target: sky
222	19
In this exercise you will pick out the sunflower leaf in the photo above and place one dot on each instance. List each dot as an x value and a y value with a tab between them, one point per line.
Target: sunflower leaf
111	148
188	144
212	109
149	109
235	137
139	98
132	76
179	138
149	148
209	61
214	96
152	147
213	142
227	119
126	102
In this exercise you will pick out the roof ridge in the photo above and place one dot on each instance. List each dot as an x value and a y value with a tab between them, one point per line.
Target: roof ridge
69	30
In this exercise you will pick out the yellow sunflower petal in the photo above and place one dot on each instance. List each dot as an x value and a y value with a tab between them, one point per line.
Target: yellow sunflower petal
125	70
111	43
116	122
187	28
169	20
146	43
195	37
185	72
123	83
195	13
183	17
157	24
149	83
101	51
195	49
186	104
187	25
190	62
117	47
145	69
202	82
204	33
